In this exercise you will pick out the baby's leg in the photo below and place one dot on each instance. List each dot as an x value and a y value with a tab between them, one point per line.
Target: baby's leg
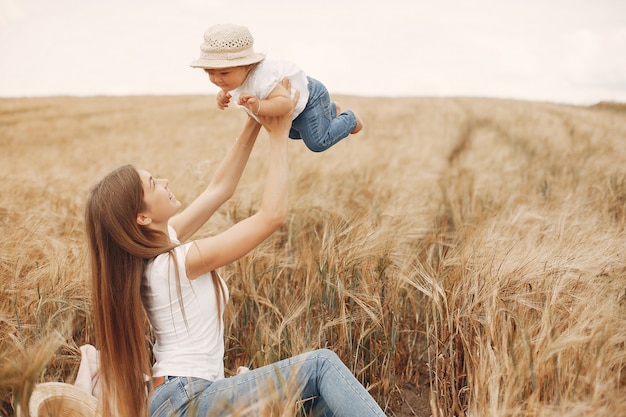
359	122
319	127
320	124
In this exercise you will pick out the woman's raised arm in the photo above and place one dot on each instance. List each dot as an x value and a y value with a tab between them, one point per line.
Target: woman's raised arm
221	187
213	252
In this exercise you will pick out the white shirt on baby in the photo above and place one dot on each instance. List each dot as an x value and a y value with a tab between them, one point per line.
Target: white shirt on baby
266	76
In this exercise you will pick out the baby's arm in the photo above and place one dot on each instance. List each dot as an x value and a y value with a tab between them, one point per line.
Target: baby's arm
277	102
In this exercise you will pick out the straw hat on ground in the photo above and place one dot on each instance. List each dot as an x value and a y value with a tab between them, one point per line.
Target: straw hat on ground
62	400
227	46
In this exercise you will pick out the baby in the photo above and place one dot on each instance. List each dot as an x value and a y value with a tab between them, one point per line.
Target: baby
253	83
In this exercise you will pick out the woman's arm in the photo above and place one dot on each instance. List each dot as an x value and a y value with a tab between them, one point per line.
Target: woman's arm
213	252
221	187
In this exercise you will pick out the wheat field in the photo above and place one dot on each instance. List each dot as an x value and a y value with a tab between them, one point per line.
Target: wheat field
463	256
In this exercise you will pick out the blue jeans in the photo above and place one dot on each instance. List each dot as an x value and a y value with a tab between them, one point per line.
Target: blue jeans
319	125
320	378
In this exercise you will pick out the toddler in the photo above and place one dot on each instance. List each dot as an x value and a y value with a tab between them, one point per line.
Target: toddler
253	83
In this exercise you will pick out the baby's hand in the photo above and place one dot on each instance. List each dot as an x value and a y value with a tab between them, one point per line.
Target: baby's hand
250	102
223	99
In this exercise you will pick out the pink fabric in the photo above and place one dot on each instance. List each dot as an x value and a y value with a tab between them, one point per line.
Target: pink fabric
88	376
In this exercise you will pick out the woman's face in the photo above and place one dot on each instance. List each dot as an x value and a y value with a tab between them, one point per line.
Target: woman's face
161	204
229	78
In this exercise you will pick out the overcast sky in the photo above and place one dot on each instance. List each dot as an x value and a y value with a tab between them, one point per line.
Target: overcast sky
547	50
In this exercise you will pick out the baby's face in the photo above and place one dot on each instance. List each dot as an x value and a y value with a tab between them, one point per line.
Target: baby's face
228	78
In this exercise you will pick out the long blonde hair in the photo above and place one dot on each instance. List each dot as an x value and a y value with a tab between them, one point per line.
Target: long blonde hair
119	250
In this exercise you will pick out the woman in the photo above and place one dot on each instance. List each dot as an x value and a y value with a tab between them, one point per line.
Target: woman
141	261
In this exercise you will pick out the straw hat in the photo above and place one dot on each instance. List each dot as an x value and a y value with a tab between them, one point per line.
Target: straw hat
61	399
226	46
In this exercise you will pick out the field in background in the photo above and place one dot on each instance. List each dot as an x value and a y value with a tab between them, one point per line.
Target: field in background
462	256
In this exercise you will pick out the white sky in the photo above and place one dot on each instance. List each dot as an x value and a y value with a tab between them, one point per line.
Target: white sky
549	50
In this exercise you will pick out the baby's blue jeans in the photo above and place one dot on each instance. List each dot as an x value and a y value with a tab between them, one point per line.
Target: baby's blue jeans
323	383
319	125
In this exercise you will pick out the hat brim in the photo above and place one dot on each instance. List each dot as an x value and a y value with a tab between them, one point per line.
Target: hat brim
61	399
227	63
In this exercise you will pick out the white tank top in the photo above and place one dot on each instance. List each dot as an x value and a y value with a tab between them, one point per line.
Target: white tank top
195	348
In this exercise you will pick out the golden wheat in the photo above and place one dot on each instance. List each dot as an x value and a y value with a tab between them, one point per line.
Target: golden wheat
471	250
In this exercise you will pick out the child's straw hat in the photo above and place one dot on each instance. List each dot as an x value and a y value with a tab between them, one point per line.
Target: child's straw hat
61	399
226	46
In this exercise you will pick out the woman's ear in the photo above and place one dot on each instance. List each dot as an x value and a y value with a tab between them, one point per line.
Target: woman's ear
143	220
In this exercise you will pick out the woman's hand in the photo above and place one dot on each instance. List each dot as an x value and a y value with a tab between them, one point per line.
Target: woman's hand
281	124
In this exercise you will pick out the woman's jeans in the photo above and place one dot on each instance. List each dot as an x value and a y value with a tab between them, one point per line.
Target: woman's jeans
319	125
322	382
